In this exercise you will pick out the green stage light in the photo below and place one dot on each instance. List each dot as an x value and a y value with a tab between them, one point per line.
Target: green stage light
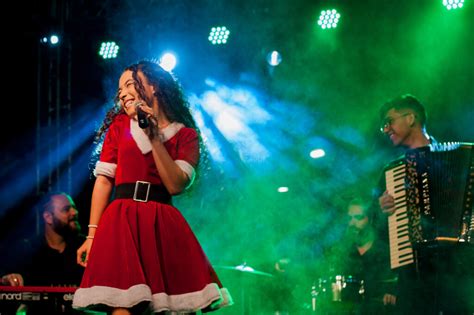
453	4
219	35
109	50
328	19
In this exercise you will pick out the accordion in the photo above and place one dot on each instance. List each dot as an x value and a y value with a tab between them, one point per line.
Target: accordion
433	191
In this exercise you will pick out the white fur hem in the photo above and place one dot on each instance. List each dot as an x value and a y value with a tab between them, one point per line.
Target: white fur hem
113	297
188	169
105	168
210	297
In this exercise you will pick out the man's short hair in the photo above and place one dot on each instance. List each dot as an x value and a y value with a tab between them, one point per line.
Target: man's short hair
45	200
406	101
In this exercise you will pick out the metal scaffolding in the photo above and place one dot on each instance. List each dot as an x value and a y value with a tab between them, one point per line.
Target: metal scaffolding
53	107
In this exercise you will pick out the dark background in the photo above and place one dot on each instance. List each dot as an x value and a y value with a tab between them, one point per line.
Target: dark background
325	94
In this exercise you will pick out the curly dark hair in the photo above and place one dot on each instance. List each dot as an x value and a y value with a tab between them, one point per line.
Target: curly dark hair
170	96
167	90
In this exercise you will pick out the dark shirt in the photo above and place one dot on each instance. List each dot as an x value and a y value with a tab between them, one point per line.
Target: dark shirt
374	269
40	265
366	278
49	267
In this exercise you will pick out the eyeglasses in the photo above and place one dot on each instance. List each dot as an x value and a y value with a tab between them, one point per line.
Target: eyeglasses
388	121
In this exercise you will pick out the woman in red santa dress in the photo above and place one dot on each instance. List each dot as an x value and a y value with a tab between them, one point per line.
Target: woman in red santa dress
140	253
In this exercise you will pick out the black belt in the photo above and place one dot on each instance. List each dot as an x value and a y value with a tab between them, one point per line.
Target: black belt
143	192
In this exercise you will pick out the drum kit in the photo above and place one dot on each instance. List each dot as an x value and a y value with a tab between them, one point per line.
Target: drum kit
245	269
336	294
242	281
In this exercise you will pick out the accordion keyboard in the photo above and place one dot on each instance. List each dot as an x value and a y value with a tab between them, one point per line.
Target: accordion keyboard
401	250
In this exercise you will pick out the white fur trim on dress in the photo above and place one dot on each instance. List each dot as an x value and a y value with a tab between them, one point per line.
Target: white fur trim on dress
113	297
188	169
210	297
142	140
140	137
169	131
105	168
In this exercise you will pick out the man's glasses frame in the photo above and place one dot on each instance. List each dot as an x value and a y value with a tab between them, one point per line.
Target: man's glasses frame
388	121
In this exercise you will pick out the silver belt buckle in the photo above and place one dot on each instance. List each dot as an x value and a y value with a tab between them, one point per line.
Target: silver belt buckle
138	183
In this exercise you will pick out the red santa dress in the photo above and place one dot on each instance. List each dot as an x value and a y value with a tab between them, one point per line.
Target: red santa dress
145	252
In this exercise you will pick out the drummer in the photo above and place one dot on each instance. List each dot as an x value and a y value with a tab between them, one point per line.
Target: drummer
363	260
369	256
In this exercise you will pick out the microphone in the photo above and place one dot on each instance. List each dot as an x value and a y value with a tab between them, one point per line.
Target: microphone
141	116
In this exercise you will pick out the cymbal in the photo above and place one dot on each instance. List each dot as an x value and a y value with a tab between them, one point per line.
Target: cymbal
245	269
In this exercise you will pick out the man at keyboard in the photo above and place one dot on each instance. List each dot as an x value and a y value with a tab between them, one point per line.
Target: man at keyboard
50	260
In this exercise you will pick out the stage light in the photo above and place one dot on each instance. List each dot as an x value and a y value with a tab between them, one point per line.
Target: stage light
317	153
168	61
219	35
329	19
109	50
20	312
51	39
453	4
282	189
54	39
274	58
